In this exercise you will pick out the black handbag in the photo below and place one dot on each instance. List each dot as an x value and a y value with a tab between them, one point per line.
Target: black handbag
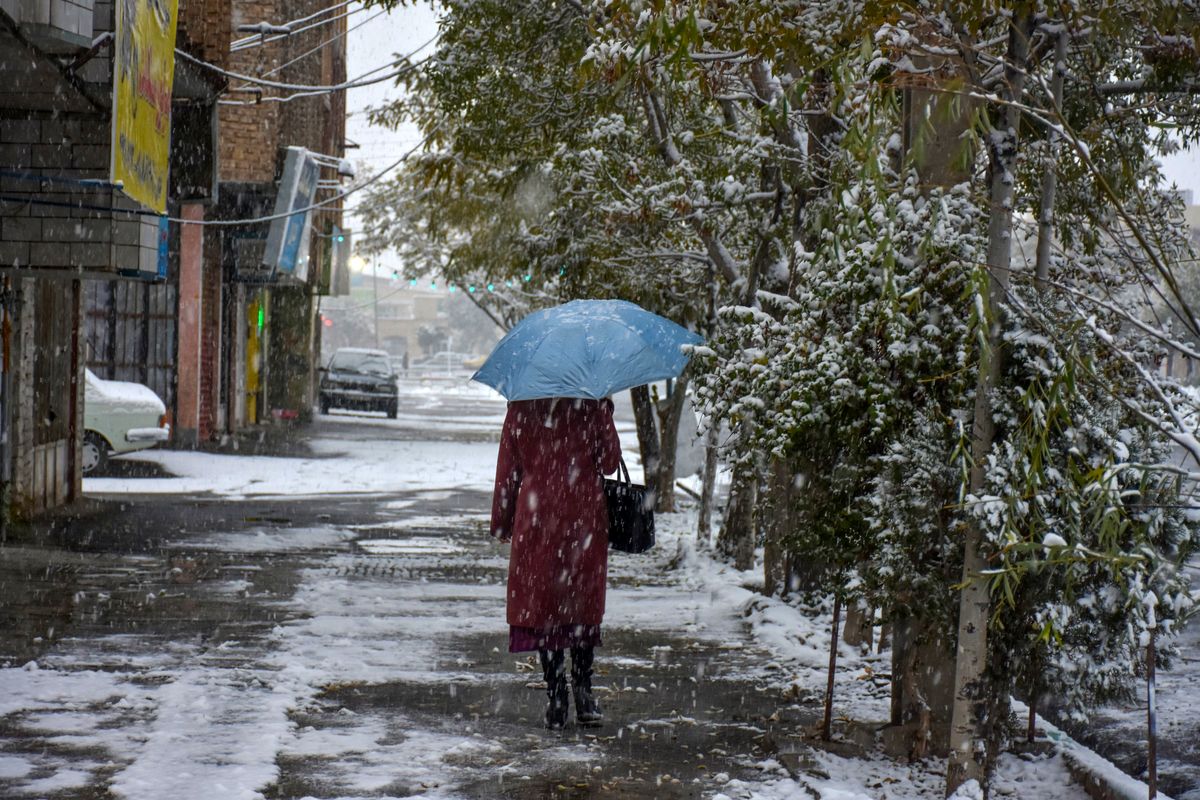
630	514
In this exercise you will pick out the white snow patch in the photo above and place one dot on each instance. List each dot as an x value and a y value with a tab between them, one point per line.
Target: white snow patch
371	467
14	767
414	546
268	540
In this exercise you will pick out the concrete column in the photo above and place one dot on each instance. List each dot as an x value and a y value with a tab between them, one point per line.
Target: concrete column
191	316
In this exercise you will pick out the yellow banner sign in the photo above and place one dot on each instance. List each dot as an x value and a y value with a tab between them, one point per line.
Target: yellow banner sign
143	73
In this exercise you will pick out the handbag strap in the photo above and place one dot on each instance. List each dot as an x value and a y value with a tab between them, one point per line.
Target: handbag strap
624	469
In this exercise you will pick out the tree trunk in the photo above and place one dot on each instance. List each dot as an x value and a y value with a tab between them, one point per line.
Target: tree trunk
777	527
647	433
1031	729
970	719
674	408
1049	174
922	695
709	487
827	722
860	626
736	539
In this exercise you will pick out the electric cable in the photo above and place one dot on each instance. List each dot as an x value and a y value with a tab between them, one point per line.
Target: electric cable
298	21
358	82
323	44
354	83
271	218
259	40
226	223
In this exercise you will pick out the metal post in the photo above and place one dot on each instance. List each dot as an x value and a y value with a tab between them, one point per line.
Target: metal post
375	283
1151	721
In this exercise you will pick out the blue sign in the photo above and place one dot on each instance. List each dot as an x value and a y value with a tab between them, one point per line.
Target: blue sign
164	248
293	258
287	244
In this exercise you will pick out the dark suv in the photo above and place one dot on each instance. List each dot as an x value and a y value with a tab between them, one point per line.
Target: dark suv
359	379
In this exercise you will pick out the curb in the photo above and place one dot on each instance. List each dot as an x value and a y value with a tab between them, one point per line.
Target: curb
1098	776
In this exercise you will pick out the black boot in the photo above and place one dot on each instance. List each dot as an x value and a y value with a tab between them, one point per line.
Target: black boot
587	710
556	688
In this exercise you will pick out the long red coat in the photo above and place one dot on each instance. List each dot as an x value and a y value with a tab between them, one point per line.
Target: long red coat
549	499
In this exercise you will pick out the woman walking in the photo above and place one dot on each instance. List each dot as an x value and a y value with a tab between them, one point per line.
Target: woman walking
549	502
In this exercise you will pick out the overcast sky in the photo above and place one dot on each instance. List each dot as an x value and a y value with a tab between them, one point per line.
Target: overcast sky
376	40
381	35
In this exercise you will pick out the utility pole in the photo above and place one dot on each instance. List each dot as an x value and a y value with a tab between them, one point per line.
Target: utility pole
375	303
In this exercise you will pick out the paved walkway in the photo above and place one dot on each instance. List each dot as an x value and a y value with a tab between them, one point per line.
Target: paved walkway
165	647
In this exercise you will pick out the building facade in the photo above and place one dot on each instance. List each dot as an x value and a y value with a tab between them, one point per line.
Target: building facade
91	278
263	368
65	228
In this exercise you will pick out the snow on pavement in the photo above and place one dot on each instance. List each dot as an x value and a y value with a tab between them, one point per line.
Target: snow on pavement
151	715
379	466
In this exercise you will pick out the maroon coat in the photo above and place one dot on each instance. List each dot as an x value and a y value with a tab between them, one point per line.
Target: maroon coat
550	500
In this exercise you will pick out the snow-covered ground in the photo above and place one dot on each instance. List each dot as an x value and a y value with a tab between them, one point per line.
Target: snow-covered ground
195	719
365	659
373	467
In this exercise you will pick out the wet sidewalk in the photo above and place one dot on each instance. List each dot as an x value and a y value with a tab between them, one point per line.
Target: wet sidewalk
195	648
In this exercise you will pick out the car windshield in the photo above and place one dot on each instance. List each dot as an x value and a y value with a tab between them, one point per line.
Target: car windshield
368	363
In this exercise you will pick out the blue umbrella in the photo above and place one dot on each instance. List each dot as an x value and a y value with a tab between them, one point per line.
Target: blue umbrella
586	348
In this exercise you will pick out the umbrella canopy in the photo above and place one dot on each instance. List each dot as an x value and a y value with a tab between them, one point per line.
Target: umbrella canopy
586	348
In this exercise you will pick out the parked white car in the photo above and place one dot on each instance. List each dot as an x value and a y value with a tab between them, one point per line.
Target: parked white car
119	417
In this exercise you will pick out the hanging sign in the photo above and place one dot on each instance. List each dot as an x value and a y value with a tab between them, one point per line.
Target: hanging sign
288	238
143	75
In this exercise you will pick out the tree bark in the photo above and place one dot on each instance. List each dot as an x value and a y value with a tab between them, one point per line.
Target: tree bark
777	527
970	721
922	694
647	433
737	537
1049	174
674	407
1151	720
860	626
709	487
827	722
1031	728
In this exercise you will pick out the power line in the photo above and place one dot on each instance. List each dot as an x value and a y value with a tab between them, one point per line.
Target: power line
323	44
357	83
354	83
262	39
321	204
301	20
137	212
287	98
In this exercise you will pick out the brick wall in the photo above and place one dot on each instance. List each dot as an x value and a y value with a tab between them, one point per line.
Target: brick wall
205	29
252	136
51	155
253	139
